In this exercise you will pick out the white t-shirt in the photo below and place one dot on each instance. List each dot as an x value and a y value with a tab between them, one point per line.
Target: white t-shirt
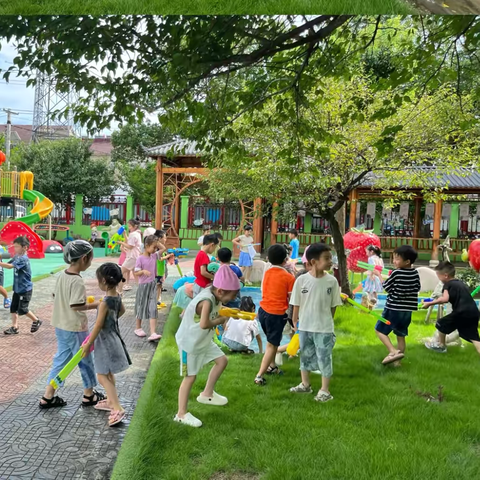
245	242
241	331
190	337
69	292
316	297
200	240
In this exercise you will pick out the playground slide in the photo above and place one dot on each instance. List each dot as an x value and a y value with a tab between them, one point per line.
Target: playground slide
42	206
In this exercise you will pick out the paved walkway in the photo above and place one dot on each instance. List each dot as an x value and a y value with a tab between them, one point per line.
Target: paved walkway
70	442
445	7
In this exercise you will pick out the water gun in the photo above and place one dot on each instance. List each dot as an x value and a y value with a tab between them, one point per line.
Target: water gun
364	309
117	237
69	367
178	267
179	252
235	313
294	346
372	268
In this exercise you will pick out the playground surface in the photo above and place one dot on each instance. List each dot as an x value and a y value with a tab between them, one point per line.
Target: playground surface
72	442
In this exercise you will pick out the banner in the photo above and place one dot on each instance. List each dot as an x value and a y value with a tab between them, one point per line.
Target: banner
371	209
404	210
464	211
446	210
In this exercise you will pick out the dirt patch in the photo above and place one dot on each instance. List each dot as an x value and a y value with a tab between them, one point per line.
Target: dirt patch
445	7
235	476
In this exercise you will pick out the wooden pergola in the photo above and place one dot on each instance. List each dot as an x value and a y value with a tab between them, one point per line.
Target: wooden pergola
180	166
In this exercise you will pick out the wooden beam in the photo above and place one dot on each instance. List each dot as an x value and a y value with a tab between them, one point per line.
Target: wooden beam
159	195
258	224
353	208
274	225
199	171
417	221
437	220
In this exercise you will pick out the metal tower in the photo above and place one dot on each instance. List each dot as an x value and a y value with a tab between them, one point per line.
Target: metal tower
49	102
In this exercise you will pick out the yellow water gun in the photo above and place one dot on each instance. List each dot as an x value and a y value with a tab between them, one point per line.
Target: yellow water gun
236	313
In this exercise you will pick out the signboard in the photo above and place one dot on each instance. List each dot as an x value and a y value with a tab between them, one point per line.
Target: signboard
446	210
371	209
404	211
464	211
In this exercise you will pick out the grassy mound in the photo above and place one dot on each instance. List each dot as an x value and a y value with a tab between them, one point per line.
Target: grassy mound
379	426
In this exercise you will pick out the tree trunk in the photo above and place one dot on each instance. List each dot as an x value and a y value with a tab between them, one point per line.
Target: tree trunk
340	249
340	216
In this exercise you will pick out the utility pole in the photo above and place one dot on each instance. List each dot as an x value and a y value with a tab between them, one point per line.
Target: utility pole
9	133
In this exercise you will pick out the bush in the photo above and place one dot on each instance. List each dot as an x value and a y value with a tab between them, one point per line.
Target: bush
470	277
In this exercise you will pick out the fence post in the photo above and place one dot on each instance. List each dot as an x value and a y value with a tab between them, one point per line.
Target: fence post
129	208
307	223
78	211
184	211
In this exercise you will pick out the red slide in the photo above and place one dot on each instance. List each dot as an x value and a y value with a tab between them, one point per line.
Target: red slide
14	229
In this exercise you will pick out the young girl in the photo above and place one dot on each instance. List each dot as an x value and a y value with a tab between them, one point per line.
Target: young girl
373	283
71	324
146	299
111	356
195	343
133	247
162	269
239	334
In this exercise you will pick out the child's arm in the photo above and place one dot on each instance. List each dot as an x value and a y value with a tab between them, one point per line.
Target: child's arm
205	322
86	306
236	242
140	273
445	298
205	273
260	343
6	265
122	310
101	315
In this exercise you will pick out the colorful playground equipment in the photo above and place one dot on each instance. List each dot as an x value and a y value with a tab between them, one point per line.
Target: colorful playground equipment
20	185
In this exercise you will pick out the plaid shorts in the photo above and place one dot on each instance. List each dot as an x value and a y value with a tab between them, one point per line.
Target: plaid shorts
316	352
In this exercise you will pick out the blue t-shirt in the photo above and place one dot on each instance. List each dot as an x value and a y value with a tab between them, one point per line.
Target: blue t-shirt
236	271
22	274
295	244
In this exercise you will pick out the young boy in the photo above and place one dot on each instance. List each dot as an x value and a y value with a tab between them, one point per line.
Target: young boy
465	314
245	261
162	268
402	287
224	256
195	343
295	244
315	297
206	231
276	289
203	277
22	286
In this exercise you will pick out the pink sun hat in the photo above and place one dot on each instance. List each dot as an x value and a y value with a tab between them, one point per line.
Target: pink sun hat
304	258
226	279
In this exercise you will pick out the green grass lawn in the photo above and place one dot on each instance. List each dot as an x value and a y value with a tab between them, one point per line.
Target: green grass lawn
166	7
377	427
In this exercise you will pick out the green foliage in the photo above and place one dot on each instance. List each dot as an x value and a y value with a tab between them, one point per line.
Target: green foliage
470	277
65	168
136	169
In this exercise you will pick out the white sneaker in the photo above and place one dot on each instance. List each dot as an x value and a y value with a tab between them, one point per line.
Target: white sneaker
189	420
323	396
301	388
217	400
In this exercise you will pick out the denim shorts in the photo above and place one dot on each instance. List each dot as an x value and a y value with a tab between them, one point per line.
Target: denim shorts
272	325
399	322
68	344
316	352
235	346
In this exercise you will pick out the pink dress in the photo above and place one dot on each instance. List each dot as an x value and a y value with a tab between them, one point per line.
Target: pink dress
135	240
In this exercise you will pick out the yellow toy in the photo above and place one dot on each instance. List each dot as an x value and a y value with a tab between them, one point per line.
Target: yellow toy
91	299
235	313
294	346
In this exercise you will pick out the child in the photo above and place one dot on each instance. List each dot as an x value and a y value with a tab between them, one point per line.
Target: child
315	297
402	288
224	256
206	231
146	297
290	264
195	343
245	261
111	356
373	283
3	292
464	316
239	334
133	248
276	289
22	286
203	278
294	243
220	240
162	269
71	324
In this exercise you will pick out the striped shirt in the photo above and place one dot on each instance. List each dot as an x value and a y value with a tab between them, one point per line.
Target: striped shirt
402	287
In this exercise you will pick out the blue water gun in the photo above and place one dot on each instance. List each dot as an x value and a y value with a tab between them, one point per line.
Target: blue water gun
117	237
179	252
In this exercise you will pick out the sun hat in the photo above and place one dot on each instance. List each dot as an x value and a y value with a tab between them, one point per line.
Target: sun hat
226	279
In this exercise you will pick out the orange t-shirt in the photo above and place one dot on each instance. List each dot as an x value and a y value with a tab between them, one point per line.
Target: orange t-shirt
276	287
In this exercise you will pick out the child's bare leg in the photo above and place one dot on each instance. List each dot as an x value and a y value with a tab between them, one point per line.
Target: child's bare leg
248	271
268	359
159	292
282	349
386	341
220	365
31	316
3	292
15	320
326	384
401	345
442	339
153	326
109	386
184	393
476	344
305	377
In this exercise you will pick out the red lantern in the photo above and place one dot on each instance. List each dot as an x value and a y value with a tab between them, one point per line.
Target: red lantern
2	157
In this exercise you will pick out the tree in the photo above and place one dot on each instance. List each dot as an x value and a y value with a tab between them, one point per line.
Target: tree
335	141
136	169
65	168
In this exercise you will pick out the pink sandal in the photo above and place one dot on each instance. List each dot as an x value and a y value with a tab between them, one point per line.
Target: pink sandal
103	405
392	357
116	416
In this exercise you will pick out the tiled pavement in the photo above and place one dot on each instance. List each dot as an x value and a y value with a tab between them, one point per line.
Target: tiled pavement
72	442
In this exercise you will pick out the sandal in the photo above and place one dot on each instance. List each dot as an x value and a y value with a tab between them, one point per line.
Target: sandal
127	288
103	405
11	331
90	400
392	357
260	381
116	417
274	371
35	326
52	402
